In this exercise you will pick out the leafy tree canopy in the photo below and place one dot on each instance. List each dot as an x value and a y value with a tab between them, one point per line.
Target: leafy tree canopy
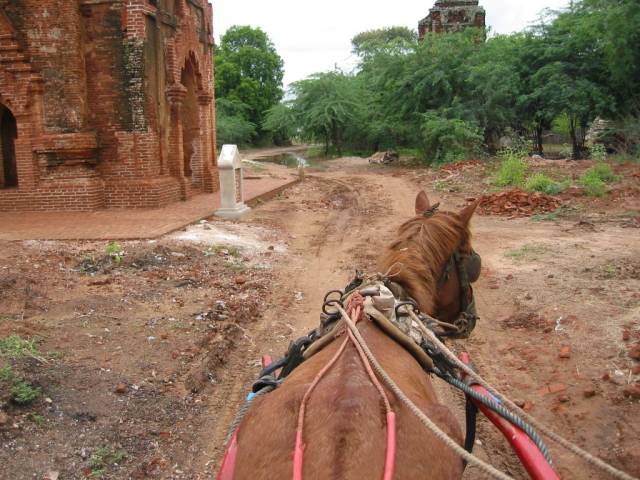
249	70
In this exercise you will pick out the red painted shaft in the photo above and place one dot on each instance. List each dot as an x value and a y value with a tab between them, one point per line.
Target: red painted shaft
531	457
228	468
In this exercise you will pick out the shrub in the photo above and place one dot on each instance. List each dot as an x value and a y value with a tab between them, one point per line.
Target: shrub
596	178
512	170
16	347
103	458
6	373
541	183
449	140
24	393
598	152
604	172
594	187
114	250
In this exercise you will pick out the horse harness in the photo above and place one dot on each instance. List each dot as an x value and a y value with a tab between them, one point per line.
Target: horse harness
386	303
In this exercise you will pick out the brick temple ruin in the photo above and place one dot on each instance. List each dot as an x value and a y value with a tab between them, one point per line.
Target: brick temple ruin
105	103
452	16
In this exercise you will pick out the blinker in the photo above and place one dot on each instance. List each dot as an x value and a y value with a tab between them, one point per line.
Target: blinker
472	264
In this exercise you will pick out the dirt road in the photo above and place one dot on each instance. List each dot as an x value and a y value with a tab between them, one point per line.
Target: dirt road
559	308
544	287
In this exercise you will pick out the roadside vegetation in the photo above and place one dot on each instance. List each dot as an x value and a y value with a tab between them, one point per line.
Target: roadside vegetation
456	96
248	83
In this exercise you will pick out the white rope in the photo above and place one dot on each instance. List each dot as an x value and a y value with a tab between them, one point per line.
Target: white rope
442	436
595	461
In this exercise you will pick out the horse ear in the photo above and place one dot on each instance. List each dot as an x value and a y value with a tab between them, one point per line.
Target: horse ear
467	212
422	203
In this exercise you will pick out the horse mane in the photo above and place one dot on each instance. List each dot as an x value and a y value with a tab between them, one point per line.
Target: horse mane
417	258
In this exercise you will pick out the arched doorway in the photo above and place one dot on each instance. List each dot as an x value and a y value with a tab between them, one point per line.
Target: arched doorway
8	135
191	144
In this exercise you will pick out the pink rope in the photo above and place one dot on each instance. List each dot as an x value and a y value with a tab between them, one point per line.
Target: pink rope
390	457
298	456
298	453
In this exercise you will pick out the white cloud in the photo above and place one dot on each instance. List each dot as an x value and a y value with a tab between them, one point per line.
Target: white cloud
315	36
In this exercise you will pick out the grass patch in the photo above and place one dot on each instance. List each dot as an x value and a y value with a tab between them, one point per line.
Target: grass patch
103	458
511	171
37	419
15	346
595	179
529	251
547	217
23	393
539	182
6	374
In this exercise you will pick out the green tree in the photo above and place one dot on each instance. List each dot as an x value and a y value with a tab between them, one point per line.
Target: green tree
282	122
372	44
232	126
327	104
250	71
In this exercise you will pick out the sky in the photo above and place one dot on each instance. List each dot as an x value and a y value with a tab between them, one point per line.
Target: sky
315	36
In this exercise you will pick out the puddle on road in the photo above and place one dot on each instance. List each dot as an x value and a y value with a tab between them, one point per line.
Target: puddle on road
291	160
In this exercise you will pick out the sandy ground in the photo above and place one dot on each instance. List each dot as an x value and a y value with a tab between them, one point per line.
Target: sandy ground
143	365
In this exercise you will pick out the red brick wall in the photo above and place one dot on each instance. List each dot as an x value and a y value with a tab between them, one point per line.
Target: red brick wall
89	84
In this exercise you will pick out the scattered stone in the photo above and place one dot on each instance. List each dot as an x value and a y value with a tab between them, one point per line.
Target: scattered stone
626	335
51	475
4	419
564	398
520	403
589	392
509	277
528	296
565	352
164	336
557	387
121	388
240	280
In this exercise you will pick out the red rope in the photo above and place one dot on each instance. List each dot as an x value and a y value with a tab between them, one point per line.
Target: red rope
356	312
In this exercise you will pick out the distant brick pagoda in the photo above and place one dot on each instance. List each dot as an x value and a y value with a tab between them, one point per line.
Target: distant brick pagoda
452	16
105	103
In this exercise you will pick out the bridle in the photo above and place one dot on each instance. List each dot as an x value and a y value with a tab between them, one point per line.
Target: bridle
468	267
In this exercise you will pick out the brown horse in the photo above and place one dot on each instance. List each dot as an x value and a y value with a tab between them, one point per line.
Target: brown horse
344	436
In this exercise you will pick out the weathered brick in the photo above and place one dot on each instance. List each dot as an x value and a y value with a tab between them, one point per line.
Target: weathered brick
452	16
108	98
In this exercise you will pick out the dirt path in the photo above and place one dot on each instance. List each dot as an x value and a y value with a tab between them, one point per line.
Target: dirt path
342	218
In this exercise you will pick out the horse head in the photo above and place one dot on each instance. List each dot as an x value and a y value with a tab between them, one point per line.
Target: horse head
433	261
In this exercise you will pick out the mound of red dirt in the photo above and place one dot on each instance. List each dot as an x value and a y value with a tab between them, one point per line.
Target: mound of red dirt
516	203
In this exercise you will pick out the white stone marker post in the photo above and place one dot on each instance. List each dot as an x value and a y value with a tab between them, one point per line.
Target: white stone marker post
231	184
